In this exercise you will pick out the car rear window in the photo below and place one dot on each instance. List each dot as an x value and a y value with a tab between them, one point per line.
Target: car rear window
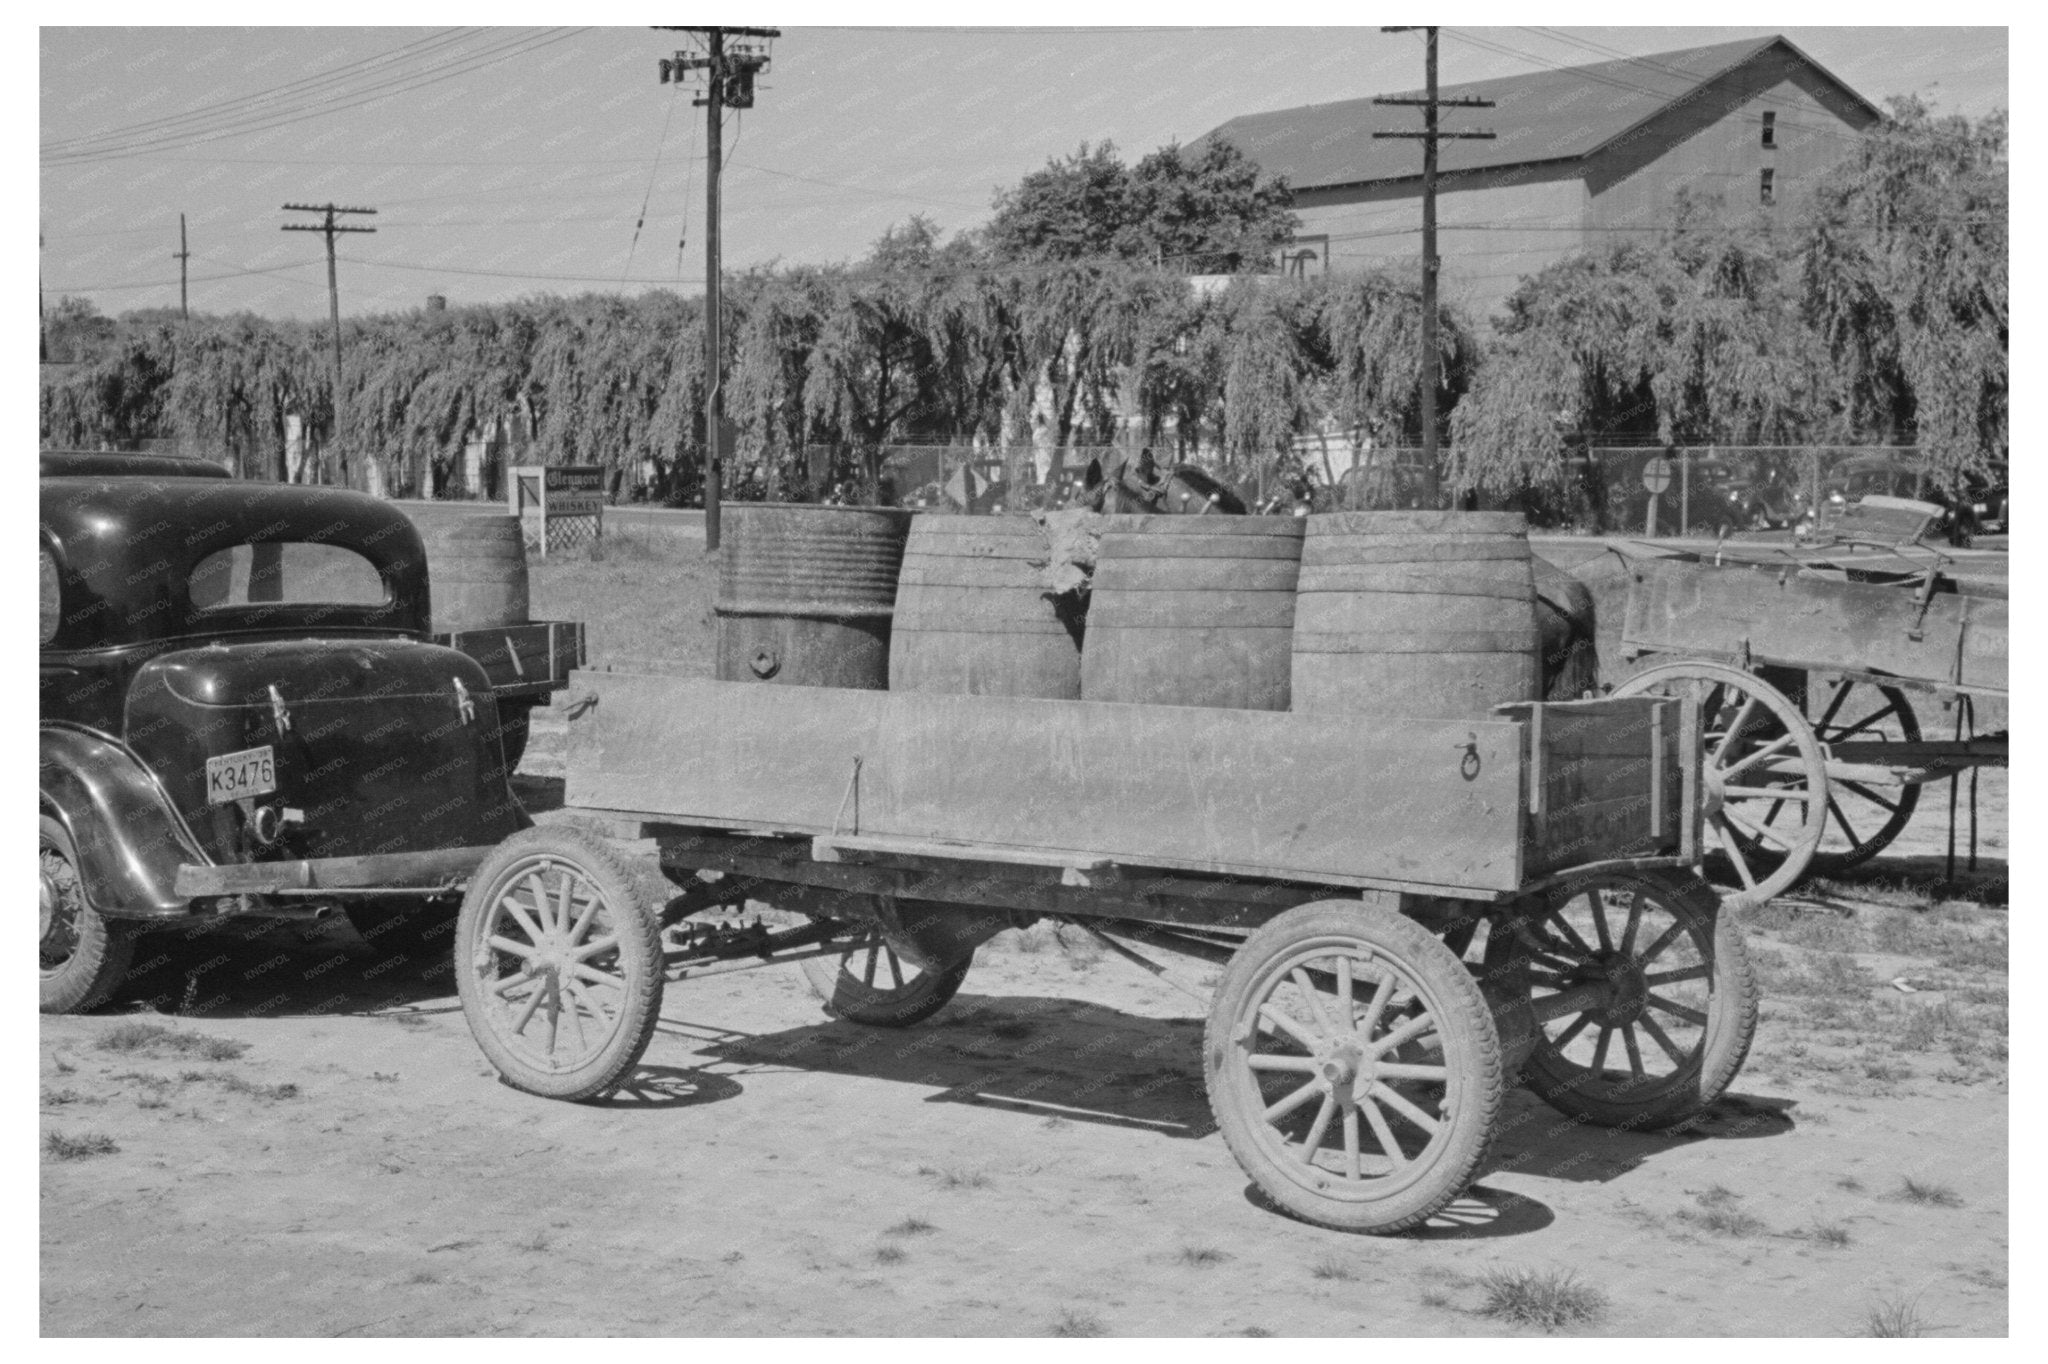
294	572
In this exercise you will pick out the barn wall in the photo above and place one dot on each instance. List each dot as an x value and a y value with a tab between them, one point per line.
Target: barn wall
1492	228
1711	147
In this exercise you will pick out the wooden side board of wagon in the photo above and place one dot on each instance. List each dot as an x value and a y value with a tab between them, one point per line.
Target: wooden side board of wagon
1408	914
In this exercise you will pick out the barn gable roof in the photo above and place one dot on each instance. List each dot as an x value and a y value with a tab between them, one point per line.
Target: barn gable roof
1549	115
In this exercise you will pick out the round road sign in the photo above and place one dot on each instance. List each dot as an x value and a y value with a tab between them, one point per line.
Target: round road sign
1657	474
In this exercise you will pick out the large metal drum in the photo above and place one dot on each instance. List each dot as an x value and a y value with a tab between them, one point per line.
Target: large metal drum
476	566
1193	611
974	616
1415	615
805	593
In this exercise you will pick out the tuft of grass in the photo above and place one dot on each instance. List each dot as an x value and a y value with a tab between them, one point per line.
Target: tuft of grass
1330	1267
57	1098
1722	1221
153	1039
955	1179
536	1243
424	1276
81	1147
910	1226
64	1067
1833	1235
1256	1333
1201	1256
235	1084
1894	1318
1079	1325
1547	1299
1436	1297
890	1255
1912	1190
1851	1183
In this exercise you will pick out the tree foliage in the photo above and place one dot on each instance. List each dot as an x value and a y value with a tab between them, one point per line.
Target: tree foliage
1206	211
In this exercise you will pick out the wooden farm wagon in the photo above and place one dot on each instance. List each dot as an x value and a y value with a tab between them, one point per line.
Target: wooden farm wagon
1408	915
1820	672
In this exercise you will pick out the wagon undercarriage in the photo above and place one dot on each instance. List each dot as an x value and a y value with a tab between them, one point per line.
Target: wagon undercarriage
1518	903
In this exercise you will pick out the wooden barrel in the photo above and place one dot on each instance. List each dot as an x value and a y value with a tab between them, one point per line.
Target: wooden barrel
973	614
1193	611
805	593
476	565
1415	614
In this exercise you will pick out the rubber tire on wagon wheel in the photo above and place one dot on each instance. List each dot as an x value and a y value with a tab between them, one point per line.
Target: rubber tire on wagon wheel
1653	960
1353	1067
1766	776
872	983
85	957
559	963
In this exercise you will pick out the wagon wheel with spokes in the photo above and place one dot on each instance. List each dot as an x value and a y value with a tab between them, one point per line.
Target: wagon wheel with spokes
1765	775
1353	1067
1642	993
1864	814
559	963
872	983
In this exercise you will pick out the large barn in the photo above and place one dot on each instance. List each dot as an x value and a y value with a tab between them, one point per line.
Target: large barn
1581	154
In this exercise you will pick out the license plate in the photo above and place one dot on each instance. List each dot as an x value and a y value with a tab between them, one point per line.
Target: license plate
231	776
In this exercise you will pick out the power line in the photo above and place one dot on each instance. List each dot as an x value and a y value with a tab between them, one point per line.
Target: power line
460	67
227	106
261	119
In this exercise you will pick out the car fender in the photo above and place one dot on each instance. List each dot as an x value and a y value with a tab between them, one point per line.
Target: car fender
130	840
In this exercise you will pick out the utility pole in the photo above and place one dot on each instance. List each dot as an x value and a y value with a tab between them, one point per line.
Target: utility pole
183	254
328	226
1430	135
729	80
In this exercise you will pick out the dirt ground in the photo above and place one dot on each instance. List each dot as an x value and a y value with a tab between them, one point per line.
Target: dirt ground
312	1145
281	1135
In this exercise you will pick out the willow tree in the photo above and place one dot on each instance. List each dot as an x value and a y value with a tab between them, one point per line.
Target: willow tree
1372	328
611	381
1271	361
1700	333
1905	280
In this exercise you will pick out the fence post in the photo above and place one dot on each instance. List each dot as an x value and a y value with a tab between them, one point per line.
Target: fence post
1684	490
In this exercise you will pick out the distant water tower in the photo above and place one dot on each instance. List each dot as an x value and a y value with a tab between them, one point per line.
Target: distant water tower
437	303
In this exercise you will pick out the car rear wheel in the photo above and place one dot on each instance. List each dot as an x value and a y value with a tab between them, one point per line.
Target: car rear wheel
84	956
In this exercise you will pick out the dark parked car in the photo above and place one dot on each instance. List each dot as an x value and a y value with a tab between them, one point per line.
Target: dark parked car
1980	509
241	716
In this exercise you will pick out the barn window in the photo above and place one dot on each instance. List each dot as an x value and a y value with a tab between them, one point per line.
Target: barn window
1766	195
1770	129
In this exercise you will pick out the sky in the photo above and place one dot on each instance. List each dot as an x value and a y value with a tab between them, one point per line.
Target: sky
508	162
